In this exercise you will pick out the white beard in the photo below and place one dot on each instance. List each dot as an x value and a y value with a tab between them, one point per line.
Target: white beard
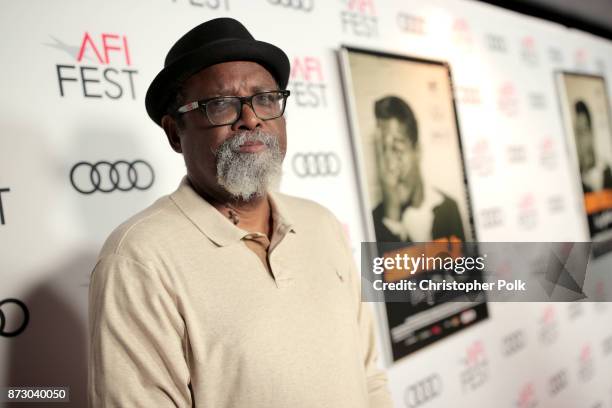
249	175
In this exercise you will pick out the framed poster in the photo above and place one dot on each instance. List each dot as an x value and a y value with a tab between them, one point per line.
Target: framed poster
409	164
586	115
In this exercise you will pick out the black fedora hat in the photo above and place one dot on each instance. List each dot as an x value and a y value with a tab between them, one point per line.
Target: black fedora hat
212	42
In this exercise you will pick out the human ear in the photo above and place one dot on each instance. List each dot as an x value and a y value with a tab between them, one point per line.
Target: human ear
172	133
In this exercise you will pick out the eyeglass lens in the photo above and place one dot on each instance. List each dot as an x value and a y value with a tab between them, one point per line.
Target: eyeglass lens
226	110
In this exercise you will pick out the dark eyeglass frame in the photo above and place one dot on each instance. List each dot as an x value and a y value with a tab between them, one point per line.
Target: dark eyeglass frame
243	100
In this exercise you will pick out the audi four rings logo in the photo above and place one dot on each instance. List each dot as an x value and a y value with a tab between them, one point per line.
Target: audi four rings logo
423	391
304	5
316	164
106	177
25	318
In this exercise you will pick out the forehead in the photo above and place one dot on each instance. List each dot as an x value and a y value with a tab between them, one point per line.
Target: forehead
230	78
582	121
581	116
391	126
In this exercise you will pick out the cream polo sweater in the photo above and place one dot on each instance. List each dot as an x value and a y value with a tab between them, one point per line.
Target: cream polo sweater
183	313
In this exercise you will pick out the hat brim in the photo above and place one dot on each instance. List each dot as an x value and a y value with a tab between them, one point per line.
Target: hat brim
166	83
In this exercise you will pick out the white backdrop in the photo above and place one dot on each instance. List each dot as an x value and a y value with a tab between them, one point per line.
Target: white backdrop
522	185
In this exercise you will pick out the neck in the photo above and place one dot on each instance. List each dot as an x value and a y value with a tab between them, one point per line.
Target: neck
253	215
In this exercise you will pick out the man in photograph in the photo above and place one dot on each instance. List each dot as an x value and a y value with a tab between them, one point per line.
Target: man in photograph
411	209
224	293
595	174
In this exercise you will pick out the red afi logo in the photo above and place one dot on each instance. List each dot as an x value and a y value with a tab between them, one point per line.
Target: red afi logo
306	68
108	43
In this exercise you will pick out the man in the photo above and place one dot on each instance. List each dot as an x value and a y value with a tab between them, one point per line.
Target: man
224	294
595	176
411	210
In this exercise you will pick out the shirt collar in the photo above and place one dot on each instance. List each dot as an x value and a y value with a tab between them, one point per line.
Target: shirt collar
281	218
214	225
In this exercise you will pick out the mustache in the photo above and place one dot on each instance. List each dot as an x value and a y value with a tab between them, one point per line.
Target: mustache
244	136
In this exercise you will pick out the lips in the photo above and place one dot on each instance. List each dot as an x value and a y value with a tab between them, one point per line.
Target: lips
252	147
252	143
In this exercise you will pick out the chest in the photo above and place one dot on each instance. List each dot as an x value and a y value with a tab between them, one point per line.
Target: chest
236	305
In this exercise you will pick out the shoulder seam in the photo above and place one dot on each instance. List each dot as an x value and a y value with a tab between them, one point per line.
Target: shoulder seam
127	231
114	254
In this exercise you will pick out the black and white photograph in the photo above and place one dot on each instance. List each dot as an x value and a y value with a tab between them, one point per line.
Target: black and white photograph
584	102
409	162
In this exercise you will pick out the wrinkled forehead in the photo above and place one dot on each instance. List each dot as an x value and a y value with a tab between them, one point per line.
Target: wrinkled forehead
231	78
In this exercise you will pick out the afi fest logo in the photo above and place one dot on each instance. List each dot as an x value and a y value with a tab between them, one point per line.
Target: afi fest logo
529	52
307	83
586	364
527	212
482	162
548	326
557	382
2	190
527	396
209	4
474	367
547	153
507	100
359	18
101	67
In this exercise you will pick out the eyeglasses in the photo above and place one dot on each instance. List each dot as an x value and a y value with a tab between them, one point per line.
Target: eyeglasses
226	110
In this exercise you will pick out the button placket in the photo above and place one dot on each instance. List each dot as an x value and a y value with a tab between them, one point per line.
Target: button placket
279	270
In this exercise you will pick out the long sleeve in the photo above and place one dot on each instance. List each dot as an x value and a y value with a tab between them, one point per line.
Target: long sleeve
137	339
376	378
378	393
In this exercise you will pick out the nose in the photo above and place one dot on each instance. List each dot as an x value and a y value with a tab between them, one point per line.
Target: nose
247	120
